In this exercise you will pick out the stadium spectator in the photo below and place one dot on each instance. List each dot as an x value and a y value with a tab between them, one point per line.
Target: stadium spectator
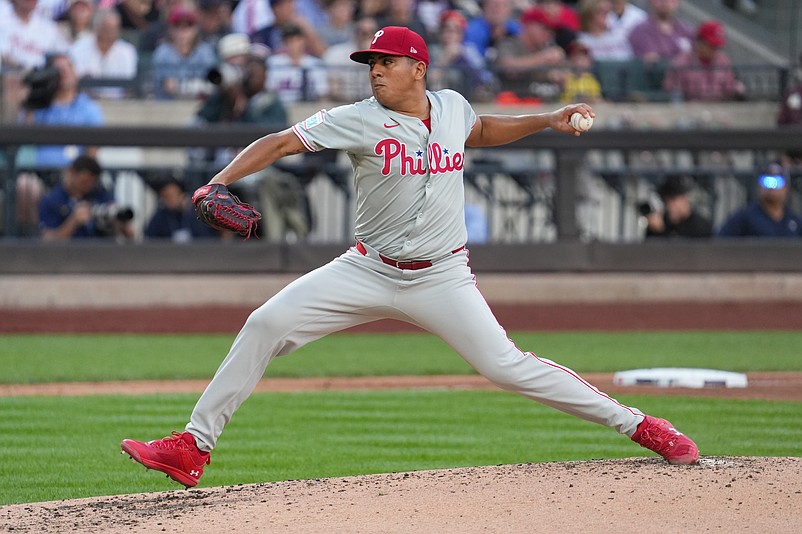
579	84
103	54
705	73
77	19
296	75
402	13
769	215
347	82
662	36
604	43
66	106
339	27
624	16
676	217
137	15
496	23
240	95
529	62
430	11
560	15
285	15
455	65
180	64
372	8
214	20
80	207
26	36
175	217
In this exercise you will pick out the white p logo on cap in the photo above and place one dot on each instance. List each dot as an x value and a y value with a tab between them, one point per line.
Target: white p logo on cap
376	36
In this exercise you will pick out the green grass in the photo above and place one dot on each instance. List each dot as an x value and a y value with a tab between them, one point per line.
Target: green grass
59	448
57	358
66	447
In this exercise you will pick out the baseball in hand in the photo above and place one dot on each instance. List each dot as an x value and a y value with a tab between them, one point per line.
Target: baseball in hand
581	123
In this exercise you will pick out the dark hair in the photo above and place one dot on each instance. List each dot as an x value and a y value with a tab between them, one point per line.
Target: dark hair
86	163
675	185
172	180
291	30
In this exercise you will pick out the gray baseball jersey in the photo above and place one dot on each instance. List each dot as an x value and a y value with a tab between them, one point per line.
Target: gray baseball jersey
408	181
409	208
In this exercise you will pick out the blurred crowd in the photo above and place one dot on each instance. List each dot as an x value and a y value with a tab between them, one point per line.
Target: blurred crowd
246	61
547	50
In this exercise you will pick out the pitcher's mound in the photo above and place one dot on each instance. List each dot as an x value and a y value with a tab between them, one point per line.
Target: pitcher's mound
720	494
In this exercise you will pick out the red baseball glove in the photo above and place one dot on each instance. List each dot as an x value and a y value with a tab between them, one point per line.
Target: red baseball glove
217	207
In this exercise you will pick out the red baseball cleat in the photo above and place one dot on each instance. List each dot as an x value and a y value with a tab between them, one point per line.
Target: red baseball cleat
660	436
176	455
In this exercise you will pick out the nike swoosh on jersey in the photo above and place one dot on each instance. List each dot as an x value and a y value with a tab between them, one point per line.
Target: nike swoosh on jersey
390	125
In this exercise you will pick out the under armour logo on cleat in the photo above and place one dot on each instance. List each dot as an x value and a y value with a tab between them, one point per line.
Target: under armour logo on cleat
194	473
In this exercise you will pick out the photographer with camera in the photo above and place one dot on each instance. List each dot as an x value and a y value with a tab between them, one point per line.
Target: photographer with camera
80	207
55	99
241	97
676	217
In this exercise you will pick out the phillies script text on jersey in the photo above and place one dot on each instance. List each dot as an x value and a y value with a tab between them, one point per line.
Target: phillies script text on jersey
440	160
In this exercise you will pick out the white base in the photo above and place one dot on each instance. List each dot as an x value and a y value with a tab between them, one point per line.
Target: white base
680	377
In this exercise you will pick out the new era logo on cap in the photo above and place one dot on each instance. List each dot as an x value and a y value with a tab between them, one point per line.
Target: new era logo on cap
395	41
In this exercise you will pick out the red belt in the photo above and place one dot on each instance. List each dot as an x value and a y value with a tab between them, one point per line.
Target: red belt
411	265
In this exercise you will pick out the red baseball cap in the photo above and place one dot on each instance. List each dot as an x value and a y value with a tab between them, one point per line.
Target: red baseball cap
711	32
536	14
182	14
395	41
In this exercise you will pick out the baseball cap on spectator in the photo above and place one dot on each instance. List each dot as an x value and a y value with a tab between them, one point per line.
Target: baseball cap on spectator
395	41
181	14
773	176
538	15
711	32
453	15
233	44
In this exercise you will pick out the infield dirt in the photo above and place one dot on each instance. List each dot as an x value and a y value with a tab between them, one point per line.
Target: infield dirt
720	494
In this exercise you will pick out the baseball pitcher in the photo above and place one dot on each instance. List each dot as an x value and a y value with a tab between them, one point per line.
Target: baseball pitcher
408	262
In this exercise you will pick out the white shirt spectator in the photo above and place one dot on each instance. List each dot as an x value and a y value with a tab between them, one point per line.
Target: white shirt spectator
119	62
103	54
26	44
630	17
609	46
